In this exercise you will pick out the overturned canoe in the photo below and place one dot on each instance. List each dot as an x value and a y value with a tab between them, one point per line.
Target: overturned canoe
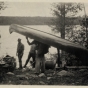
50	39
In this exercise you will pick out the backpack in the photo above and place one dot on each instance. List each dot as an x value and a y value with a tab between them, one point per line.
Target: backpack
45	49
42	48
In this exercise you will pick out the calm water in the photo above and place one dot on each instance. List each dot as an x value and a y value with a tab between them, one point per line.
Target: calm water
9	42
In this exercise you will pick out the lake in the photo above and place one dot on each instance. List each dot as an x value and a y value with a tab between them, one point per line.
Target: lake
9	42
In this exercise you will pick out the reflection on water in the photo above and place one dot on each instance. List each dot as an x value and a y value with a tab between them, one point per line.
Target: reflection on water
9	41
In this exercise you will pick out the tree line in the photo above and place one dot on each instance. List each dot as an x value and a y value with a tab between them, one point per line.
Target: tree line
6	20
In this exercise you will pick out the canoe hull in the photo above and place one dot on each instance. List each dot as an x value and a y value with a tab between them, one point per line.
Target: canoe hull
50	39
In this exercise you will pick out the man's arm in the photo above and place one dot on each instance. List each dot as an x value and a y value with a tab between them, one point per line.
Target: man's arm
33	42
17	50
23	48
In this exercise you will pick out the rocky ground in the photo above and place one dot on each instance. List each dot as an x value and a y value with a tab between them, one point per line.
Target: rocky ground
51	77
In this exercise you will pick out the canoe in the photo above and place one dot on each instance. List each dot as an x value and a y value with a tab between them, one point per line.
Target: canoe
50	39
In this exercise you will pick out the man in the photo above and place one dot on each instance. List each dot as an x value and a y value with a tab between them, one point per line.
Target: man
19	53
32	53
40	60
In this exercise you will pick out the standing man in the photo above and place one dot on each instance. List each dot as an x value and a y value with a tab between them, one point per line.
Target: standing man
32	53
40	60
20	52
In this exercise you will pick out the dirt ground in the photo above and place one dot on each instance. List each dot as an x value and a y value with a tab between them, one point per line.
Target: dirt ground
52	77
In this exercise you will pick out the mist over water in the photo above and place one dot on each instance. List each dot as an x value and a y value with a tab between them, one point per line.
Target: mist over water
9	42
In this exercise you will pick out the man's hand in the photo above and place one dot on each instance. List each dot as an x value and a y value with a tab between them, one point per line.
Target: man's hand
26	37
16	54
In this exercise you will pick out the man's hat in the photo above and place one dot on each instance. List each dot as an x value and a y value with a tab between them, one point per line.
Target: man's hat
19	39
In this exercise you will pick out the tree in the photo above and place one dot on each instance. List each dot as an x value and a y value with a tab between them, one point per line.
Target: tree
2	7
62	12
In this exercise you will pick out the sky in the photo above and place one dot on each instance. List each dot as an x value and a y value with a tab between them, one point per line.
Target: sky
27	9
31	9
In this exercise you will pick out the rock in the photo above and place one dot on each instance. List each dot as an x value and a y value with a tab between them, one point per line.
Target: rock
21	77
26	77
32	69
65	73
49	74
2	62
24	69
10	73
82	70
25	83
54	73
27	74
42	75
73	83
33	75
6	65
42	83
48	78
9	81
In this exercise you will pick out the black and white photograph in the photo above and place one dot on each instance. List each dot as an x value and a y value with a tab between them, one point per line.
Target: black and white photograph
44	43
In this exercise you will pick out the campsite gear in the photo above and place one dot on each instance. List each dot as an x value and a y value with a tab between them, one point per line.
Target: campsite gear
7	64
50	64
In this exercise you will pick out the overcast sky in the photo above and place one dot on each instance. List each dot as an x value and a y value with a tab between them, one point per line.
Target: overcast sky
27	9
31	9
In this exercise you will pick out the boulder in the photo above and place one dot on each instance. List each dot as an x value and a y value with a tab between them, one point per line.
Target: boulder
21	77
25	83
42	75
10	73
42	83
48	78
82	70
65	73
33	76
